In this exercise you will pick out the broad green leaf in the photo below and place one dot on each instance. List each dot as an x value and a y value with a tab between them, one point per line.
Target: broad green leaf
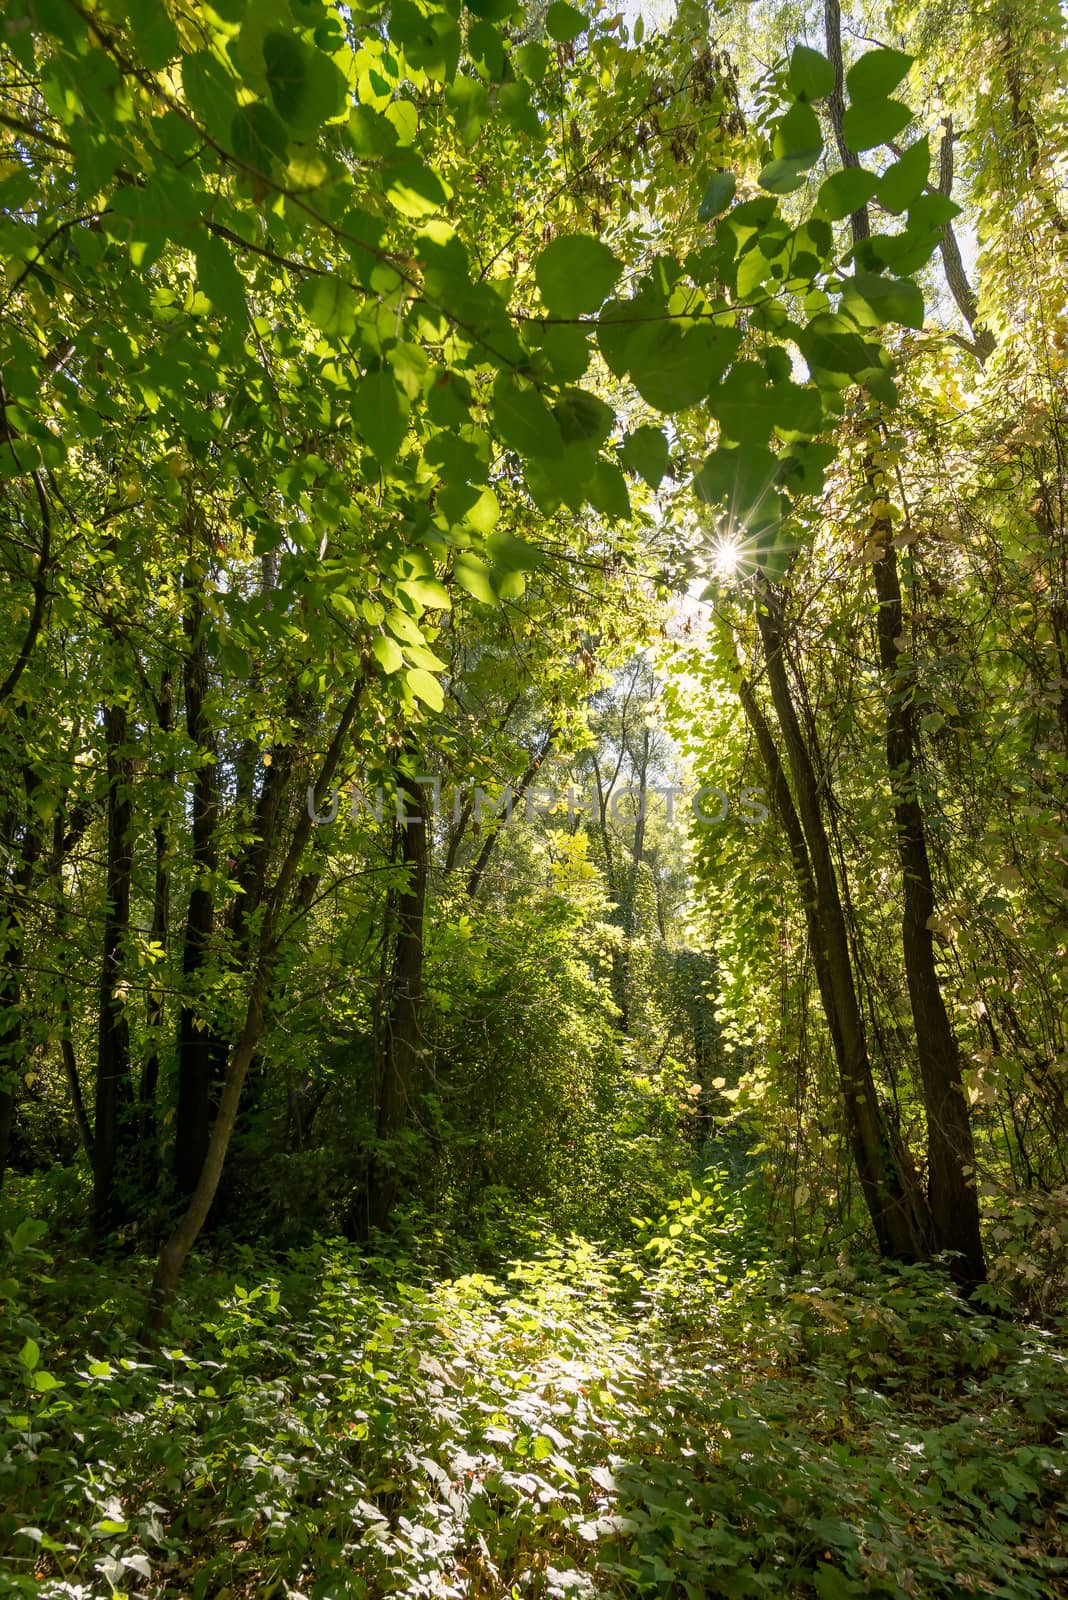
564	23
258	137
576	274
718	194
474	576
387	653
427	593
332	305
782	176
607	492
566	347
424	686
833	348
744	482
486	48
646	452
523	419
811	75
155	33
583	417
845	192
305	86
380	411
518	111
904	181
210	92
30	1354
932	211
430	40
532	60
874	122
513	555
873	300
469	102
219	278
797	135
877	74
414	189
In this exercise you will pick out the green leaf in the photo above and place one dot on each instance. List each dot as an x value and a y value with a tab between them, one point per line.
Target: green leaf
845	192
425	687
532	60
565	346
798	135
719	192
607	492
29	1230
430	41
30	1354
833	348
876	75
811	74
210	92
387	653
305	86
427	593
873	300
583	417
523	420
519	113
903	182
468	100
932	211
564	23
258	138
646	452
745	482
576	274
513	555
413	189
219	278
380	411
332	305
155	33
874	122
474	576
783	176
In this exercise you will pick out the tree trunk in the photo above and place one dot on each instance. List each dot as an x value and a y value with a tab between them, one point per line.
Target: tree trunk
156	1005
198	1048
951	1183
402	1046
896	1210
176	1251
114	1133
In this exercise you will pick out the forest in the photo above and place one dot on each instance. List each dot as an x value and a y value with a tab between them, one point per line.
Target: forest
533	799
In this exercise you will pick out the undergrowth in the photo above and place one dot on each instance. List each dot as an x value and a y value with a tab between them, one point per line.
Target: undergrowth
681	1418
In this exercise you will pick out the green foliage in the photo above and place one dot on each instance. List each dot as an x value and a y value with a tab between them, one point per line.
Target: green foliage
582	1421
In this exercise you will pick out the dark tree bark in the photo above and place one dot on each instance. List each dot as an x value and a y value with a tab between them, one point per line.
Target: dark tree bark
155	1009
175	1252
951	1183
402	1042
896	1210
198	1047
114	1130
952	1194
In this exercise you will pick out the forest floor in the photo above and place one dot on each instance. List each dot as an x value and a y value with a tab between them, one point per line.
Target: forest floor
685	1417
